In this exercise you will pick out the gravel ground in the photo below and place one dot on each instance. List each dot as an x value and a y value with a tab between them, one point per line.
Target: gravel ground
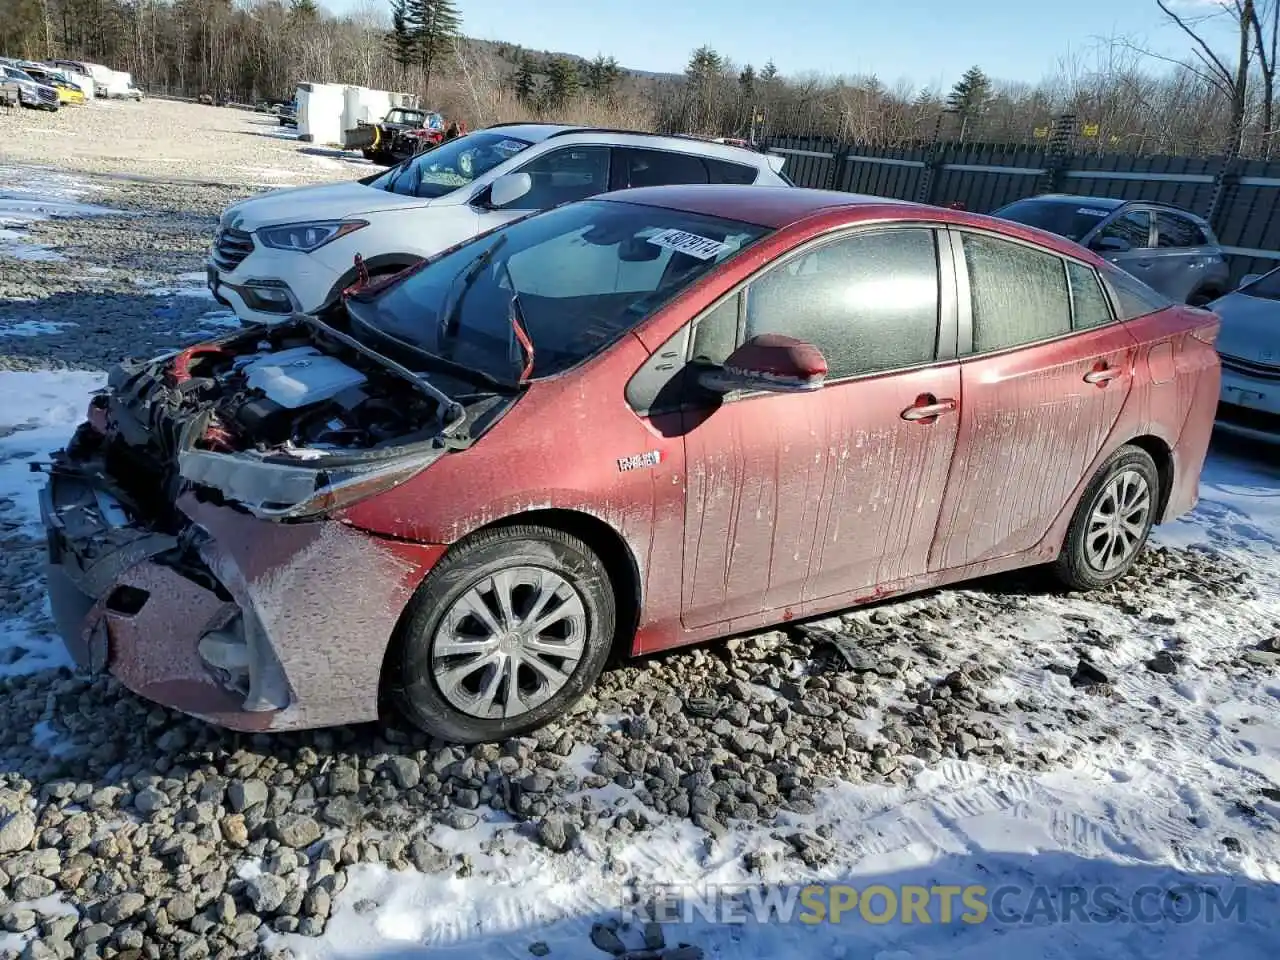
142	819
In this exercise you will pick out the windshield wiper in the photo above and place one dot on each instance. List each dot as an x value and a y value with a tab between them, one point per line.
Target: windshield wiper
449	318
444	363
518	329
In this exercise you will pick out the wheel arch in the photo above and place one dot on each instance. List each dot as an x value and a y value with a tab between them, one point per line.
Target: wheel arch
1162	454
604	539
381	263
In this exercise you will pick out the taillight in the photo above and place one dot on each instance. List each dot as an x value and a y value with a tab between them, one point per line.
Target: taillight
1207	333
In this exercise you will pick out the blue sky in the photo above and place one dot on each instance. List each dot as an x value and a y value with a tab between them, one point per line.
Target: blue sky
930	42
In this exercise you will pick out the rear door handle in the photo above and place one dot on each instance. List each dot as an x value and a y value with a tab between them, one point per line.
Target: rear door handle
928	409
1144	264
1102	375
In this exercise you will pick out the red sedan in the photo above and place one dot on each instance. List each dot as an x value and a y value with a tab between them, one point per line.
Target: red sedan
633	422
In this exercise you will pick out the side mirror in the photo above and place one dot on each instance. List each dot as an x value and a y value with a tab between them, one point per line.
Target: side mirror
1111	245
771	363
1247	279
509	189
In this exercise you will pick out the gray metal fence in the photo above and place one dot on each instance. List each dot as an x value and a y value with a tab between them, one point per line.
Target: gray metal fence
1240	198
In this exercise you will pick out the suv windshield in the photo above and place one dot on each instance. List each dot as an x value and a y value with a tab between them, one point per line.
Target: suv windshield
584	274
1067	218
449	166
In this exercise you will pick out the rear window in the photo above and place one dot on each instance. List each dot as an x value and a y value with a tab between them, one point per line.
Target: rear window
1266	287
1133	297
1067	218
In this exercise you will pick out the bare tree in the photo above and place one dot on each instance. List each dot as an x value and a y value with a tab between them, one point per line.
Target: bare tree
1232	79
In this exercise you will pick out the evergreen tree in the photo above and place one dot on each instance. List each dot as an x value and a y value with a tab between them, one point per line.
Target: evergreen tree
768	73
971	93
525	81
400	41
434	27
562	81
602	75
303	10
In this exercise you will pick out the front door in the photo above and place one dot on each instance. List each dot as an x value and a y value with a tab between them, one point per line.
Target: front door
558	176
1135	230
792	498
1046	372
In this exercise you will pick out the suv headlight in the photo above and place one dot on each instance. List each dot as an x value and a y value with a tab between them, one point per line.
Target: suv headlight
305	237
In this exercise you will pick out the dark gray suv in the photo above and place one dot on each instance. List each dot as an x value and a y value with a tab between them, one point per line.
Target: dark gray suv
1167	248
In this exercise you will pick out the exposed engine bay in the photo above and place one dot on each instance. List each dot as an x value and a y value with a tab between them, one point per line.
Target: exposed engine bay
273	420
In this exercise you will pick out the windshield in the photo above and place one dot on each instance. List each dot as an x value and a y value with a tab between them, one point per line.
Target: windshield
449	166
406	116
1068	218
1266	287
584	273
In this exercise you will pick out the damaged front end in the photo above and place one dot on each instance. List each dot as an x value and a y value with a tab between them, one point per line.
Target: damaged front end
190	550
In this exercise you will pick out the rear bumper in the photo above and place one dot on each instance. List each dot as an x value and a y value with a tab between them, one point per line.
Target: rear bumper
245	623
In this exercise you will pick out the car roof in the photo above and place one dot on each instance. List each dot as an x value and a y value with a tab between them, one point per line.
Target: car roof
767	206
1113	203
539	132
1106	203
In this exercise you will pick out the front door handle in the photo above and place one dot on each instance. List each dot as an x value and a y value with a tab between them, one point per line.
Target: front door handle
1145	264
1101	375
928	407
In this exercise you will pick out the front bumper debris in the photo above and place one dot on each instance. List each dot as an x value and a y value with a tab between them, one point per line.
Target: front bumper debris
246	623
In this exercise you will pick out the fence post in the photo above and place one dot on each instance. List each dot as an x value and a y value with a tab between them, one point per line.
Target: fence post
1224	184
1059	159
839	157
932	154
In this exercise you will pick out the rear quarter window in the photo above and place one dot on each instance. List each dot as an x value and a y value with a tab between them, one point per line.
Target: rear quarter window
1133	297
723	171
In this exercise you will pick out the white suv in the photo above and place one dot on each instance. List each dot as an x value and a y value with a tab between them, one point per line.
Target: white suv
294	250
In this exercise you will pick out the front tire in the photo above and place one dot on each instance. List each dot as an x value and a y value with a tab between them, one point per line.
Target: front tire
1112	521
505	634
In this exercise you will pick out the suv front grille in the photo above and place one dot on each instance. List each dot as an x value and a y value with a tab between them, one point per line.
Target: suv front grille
230	247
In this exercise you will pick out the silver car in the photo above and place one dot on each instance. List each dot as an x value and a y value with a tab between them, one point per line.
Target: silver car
1165	247
1249	345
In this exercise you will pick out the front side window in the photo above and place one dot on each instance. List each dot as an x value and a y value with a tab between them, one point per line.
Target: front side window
449	166
1019	294
582	275
1133	229
571	173
869	302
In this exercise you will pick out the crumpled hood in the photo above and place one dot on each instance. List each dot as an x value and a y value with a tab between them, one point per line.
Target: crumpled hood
1250	328
329	201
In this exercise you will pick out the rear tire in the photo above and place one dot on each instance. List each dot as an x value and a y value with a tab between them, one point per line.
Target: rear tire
1202	298
507	632
1112	521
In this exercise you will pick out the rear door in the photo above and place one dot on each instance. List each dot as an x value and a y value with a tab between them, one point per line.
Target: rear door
1185	262
637	167
1045	369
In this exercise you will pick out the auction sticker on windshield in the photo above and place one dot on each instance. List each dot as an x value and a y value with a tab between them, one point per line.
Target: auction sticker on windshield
1092	211
704	248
